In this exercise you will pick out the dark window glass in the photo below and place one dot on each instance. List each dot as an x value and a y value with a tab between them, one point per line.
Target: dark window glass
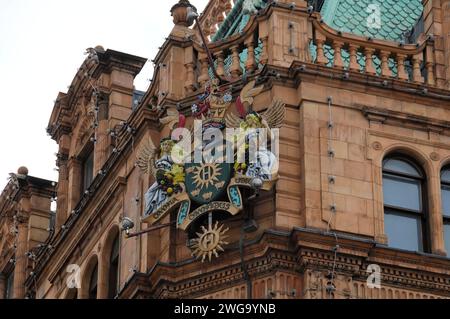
445	175
445	186
402	192
9	285
400	166
403	231
93	283
88	171
114	269
446	200
404	218
52	222
447	238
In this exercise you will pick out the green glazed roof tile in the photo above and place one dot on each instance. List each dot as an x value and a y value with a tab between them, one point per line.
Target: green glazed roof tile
353	16
237	19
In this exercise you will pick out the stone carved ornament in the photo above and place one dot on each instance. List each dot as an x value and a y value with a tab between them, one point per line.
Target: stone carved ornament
176	186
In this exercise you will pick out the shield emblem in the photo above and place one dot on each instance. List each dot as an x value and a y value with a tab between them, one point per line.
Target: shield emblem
206	182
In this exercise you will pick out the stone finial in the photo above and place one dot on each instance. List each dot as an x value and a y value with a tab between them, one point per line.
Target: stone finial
22	170
180	13
99	48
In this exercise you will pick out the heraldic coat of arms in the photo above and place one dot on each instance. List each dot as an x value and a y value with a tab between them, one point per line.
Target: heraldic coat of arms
227	153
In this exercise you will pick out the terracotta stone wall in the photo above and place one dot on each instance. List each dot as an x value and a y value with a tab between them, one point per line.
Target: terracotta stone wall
369	122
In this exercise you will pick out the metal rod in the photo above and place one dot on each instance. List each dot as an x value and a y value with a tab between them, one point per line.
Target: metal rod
208	52
149	230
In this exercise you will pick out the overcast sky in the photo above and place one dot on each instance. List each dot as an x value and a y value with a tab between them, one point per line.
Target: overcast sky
41	46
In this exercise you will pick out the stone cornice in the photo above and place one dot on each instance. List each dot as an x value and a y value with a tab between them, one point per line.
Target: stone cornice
295	252
409	139
111	59
91	69
416	122
25	186
302	71
400	268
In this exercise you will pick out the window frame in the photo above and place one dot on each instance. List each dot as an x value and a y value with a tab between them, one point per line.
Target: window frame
93	284
9	284
114	259
421	195
445	218
88	160
445	184
86	154
423	214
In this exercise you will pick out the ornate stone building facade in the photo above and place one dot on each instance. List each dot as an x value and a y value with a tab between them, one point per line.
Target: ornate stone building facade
363	186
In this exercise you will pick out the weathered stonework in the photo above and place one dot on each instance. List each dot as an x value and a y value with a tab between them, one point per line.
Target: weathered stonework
302	248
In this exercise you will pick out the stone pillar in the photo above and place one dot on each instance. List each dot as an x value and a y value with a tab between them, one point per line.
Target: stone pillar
2	286
103	141
20	269
103	275
62	191
435	216
445	10
434	15
75	180
288	36
121	97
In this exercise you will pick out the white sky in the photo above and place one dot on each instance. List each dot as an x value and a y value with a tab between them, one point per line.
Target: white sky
41	46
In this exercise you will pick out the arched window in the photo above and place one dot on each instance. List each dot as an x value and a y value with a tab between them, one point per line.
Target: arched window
445	187
405	217
113	269
93	283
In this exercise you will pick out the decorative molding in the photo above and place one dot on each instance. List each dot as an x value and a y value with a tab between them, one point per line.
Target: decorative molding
377	146
407	139
435	156
353	257
417	122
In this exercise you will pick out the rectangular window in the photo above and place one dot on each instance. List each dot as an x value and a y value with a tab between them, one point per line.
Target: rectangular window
88	170
447	237
446	201
402	193
403	230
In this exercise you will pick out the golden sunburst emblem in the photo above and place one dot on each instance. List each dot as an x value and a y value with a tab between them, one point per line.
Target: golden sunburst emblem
210	242
206	175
